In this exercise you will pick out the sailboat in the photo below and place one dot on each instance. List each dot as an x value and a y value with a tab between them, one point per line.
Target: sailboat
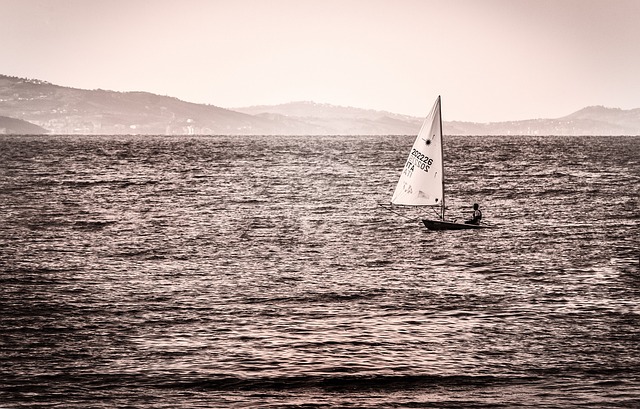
421	182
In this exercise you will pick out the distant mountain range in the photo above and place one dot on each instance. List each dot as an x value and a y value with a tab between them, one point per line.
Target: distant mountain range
38	107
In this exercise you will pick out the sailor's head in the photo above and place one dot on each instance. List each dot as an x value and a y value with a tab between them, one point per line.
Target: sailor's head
475	206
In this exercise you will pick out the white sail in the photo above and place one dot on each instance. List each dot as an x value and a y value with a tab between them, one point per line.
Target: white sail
421	180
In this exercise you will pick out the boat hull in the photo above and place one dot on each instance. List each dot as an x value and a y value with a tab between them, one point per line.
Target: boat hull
442	225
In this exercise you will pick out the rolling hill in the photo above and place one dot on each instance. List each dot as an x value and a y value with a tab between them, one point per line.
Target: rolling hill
63	110
12	126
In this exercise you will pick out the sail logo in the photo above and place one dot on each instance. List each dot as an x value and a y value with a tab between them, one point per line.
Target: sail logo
428	141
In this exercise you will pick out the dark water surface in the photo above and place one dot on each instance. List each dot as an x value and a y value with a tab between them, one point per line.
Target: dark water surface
259	272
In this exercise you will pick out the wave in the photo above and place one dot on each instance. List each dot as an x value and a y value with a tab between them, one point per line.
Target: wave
341	383
229	383
318	297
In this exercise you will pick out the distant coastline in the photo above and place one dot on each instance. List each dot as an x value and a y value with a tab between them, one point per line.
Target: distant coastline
13	126
39	107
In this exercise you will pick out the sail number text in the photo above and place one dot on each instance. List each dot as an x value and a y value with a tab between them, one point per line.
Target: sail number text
417	159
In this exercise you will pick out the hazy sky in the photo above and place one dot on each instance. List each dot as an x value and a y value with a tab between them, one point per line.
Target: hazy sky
491	60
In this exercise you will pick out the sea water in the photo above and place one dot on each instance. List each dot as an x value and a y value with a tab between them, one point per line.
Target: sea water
261	272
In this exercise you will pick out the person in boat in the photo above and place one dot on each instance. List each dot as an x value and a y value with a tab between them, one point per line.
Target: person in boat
477	215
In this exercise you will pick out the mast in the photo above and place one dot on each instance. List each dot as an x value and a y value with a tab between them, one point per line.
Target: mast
441	154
